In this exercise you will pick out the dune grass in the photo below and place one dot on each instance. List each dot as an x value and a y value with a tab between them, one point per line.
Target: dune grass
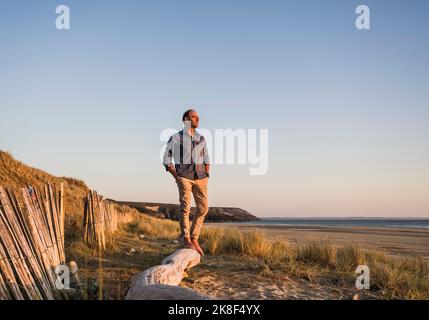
15	174
318	253
391	277
153	227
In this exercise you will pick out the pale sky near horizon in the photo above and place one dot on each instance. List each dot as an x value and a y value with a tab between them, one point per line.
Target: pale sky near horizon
347	110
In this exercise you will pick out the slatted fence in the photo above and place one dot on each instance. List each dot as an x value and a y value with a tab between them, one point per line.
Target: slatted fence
31	242
101	221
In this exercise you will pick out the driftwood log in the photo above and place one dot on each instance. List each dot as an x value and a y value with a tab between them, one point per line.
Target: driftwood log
161	282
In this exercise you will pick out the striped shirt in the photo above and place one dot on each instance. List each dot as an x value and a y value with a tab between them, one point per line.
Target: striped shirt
189	153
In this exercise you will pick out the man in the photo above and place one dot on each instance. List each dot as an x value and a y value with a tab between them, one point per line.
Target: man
191	171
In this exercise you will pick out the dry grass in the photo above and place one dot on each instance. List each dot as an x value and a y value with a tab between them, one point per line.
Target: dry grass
231	241
153	227
14	174
399	277
317	253
349	257
108	276
391	277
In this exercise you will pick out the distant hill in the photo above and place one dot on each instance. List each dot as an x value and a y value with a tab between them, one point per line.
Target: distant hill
171	211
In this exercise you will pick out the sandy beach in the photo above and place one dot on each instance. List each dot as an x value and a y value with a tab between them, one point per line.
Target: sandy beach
395	241
230	279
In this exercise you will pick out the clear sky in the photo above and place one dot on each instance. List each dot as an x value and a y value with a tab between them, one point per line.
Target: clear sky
347	110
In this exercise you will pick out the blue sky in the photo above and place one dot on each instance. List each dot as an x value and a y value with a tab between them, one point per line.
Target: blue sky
347	110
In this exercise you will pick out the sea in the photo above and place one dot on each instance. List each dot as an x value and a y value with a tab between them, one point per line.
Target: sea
345	222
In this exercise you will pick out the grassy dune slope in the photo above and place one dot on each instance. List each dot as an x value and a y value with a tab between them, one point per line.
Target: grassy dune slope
14	174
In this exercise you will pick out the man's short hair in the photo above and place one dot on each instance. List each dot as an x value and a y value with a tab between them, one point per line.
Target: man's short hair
186	114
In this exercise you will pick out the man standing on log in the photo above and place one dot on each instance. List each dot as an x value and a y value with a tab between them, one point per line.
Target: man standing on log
191	171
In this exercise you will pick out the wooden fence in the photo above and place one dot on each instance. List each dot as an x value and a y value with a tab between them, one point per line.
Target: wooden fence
101	221
31	242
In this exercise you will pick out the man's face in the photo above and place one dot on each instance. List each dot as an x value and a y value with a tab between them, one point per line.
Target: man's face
194	119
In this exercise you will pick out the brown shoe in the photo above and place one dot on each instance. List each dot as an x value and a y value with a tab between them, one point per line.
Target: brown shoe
188	244
197	246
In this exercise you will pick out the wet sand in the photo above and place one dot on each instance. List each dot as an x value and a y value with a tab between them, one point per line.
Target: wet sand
395	241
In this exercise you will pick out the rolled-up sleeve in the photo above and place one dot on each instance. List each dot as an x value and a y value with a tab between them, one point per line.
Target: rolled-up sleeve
206	153
168	154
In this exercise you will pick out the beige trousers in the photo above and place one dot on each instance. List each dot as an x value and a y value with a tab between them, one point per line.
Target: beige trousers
199	189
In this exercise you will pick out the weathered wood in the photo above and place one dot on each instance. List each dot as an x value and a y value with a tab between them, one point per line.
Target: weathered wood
101	231
100	221
13	252
62	213
183	259
166	292
10	282
56	227
169	273
23	246
39	234
74	275
3	290
31	244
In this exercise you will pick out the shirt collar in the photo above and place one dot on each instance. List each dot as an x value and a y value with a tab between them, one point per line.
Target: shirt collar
195	137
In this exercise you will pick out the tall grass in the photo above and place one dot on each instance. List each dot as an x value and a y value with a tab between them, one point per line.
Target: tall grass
401	277
231	241
212	238
322	254
349	257
153	227
392	277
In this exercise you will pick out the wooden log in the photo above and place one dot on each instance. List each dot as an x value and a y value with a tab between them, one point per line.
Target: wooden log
183	259
166	292
169	273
